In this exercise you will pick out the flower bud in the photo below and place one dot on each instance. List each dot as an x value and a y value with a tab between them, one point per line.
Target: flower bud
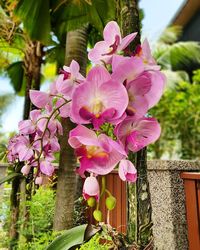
91	188
91	202
26	169
97	215
39	180
110	202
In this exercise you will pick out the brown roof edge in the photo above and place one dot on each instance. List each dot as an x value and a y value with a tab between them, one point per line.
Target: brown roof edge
185	12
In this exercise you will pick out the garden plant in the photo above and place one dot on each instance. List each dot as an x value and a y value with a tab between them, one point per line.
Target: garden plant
109	108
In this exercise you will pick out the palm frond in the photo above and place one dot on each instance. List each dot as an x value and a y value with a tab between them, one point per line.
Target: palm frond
180	56
175	77
170	35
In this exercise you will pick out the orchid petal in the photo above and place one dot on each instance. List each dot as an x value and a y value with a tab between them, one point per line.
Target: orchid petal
127	171
46	168
39	98
110	32
99	75
127	40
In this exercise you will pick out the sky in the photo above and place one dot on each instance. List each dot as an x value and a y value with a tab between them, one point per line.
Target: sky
158	14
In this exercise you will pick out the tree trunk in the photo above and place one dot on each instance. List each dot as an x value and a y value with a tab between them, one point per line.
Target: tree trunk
32	65
76	48
139	200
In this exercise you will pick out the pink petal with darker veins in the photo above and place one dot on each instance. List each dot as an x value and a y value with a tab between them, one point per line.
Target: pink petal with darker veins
39	98
46	168
99	53
127	171
110	32
82	135
91	188
26	127
99	75
127	40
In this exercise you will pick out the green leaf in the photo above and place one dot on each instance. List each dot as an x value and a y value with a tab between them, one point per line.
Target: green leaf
36	18
179	56
71	15
10	177
69	238
15	72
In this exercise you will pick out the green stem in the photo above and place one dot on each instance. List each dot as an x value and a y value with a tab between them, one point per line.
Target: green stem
103	187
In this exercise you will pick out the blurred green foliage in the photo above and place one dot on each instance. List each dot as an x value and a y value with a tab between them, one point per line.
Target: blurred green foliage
38	232
95	244
179	115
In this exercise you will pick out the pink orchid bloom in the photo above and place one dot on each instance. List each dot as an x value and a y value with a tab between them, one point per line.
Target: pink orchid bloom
26	169
39	98
144	52
97	154
39	180
24	149
112	44
49	144
51	126
126	68
65	110
91	188
46	167
136	133
145	88
127	171
99	99
12	152
68	80
144	92
27	127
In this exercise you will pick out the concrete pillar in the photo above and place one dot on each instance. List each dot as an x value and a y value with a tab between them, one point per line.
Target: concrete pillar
168	203
3	168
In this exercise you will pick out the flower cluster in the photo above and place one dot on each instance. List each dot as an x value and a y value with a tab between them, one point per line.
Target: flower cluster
110	109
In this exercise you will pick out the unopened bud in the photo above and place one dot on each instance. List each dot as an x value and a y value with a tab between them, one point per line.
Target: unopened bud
91	202
97	215
111	202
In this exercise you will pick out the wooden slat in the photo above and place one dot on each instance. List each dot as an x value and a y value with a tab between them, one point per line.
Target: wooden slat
118	215
192	214
118	196
190	175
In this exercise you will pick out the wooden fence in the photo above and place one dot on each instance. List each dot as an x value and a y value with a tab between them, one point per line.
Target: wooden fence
192	196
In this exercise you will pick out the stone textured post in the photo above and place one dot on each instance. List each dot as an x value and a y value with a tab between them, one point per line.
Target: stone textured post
168	203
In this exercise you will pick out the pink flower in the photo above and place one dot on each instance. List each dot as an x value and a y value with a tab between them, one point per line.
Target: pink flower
144	92
39	180
39	98
46	167
127	171
145	88
65	110
26	169
99	99
27	127
144	52
69	79
112	44
24	149
97	154
91	188
135	133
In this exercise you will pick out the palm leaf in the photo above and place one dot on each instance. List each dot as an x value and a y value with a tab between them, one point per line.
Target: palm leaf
35	16
180	56
171	34
175	77
10	177
72	14
15	72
